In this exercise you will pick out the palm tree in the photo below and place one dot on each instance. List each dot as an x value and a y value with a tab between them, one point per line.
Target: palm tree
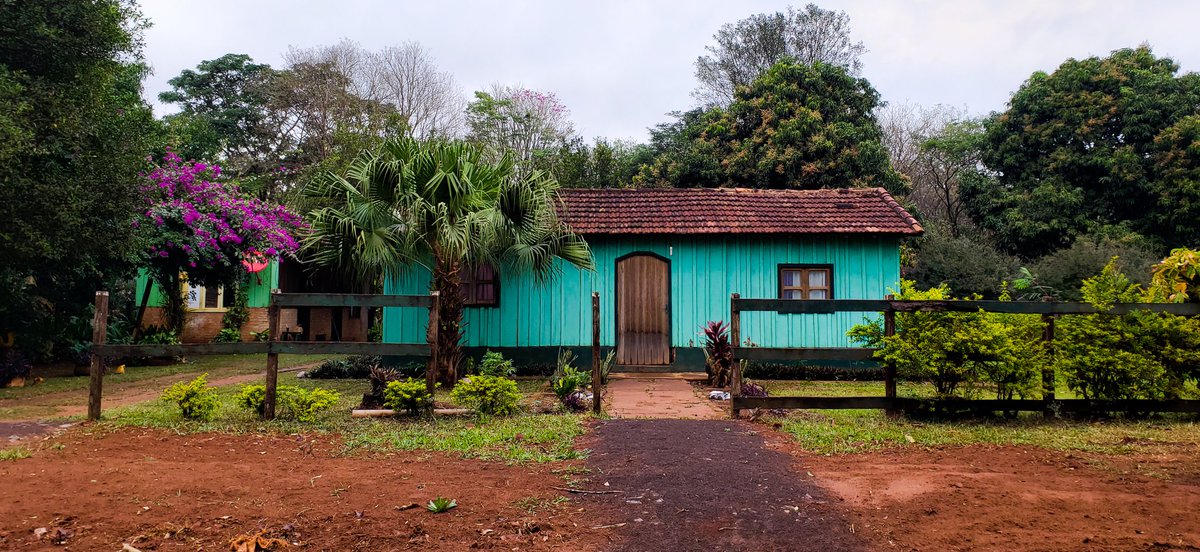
439	205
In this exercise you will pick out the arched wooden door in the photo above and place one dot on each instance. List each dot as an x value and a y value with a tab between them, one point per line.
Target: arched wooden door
643	310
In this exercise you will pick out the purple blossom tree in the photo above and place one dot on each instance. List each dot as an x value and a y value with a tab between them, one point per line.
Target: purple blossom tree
201	228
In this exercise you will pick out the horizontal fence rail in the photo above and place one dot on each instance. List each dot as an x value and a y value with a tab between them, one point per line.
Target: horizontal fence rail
811	353
263	347
976	405
1048	405
289	300
829	306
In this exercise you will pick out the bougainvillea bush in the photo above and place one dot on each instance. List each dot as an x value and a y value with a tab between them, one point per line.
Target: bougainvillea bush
203	227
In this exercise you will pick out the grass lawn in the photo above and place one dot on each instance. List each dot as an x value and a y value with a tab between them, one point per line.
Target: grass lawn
853	431
525	437
217	366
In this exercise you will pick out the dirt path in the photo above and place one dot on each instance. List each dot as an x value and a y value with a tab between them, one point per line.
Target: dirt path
659	397
708	485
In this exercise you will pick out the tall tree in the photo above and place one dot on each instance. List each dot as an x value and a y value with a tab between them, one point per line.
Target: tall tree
803	126
1076	153
74	134
679	157
530	125
226	98
746	49
443	205
404	77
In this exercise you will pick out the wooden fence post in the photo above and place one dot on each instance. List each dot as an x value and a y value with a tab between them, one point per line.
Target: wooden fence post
1048	375
597	384
272	357
889	369
99	335
735	339
432	336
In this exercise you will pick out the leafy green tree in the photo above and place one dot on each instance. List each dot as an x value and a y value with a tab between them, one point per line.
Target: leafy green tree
604	164
230	112
443	206
967	265
74	134
1089	148
680	158
746	49
229	94
1176	158
1063	272
527	124
802	126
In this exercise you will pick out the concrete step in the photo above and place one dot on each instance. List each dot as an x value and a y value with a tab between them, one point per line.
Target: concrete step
689	376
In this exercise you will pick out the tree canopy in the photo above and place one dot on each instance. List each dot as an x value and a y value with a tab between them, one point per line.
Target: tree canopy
746	49
74	134
802	126
1100	143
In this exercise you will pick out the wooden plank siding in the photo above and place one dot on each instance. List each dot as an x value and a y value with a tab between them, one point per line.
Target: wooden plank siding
704	271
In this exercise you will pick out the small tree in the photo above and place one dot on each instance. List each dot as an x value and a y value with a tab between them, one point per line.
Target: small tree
201	229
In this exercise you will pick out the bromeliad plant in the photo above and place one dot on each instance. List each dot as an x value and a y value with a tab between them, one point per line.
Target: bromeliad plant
198	225
718	353
443	206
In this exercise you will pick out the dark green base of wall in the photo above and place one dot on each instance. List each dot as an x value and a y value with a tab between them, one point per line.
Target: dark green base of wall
540	361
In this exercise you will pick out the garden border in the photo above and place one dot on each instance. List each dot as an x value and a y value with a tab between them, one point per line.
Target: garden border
273	346
889	306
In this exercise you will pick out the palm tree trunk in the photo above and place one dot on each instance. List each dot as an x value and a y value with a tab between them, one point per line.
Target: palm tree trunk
447	281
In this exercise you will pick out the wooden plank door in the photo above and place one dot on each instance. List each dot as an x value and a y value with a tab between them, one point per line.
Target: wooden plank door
643	310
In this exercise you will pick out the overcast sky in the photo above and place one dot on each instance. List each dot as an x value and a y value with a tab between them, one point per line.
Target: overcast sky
621	66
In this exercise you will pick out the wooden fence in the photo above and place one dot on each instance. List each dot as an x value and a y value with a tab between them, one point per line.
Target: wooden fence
273	346
1048	404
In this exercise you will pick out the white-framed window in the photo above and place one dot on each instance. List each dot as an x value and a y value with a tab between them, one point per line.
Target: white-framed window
805	282
206	298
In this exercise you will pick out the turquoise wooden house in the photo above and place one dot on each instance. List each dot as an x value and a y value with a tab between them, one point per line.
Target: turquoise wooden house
667	261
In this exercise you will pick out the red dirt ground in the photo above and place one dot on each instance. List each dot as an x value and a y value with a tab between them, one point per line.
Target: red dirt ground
159	491
1019	498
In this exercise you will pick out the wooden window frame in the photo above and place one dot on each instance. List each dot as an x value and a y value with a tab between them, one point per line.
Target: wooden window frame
468	283
804	289
201	295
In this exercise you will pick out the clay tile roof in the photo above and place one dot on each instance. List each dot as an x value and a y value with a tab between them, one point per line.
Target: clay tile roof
735	211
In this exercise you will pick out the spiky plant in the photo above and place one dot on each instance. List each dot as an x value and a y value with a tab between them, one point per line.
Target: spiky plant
440	205
718	353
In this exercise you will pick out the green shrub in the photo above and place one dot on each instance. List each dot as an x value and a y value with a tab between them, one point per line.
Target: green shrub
293	402
196	399
570	380
409	395
252	397
304	404
1063	271
158	335
261	336
228	335
959	352
494	364
490	395
352	367
1142	355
